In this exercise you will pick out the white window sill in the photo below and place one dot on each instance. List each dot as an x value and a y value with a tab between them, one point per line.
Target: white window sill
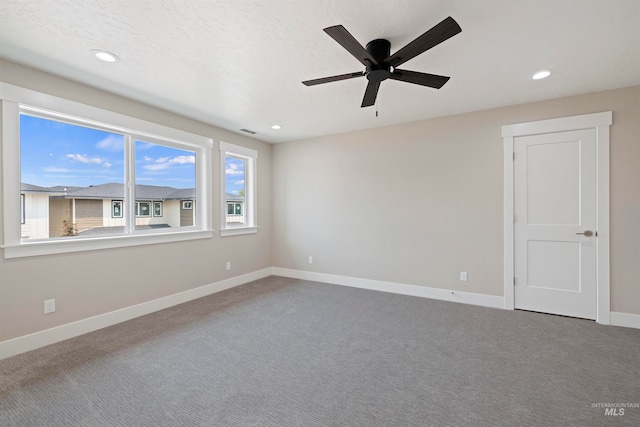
237	231
48	247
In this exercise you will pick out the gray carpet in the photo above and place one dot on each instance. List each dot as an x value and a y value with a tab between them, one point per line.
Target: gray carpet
284	352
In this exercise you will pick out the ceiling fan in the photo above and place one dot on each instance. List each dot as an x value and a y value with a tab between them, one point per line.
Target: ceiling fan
380	65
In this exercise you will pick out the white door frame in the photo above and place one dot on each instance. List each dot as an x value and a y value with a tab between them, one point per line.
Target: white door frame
601	122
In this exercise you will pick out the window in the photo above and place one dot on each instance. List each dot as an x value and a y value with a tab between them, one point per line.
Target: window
234	208
238	180
187	204
143	209
157	209
81	173
116	208
168	172
74	170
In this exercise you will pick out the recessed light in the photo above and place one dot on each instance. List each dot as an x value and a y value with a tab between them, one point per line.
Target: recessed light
105	56
542	74
276	127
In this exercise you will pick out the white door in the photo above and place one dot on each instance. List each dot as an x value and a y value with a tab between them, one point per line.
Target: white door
554	224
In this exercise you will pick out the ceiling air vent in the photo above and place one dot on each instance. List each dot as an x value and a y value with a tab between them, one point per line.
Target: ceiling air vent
248	131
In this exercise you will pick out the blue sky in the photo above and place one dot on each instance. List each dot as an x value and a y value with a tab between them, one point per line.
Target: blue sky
55	153
234	173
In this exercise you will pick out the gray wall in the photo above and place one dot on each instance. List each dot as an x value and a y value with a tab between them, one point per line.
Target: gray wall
418	203
87	284
415	203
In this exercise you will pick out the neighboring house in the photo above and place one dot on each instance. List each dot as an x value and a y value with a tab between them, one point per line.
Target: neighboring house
59	211
62	211
34	211
235	209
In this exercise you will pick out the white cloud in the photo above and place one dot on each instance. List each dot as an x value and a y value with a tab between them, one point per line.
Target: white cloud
111	143
83	158
106	164
232	169
54	169
167	162
183	160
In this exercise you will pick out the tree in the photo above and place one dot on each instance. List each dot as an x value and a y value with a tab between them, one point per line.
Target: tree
69	229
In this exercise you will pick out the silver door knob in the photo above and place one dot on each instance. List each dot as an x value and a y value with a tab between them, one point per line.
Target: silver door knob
587	233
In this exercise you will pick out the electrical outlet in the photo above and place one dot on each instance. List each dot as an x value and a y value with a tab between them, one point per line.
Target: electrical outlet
310	260
49	306
228	265
463	276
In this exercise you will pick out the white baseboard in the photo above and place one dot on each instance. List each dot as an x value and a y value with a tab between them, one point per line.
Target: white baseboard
60	333
625	319
617	319
396	288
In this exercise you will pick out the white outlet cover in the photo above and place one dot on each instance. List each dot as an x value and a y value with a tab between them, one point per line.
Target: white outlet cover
49	306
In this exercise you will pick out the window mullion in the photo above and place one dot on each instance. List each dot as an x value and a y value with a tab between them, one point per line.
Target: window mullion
253	191
129	186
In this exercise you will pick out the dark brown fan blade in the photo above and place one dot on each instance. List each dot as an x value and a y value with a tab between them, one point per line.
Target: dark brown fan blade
424	79
370	94
347	41
332	78
436	35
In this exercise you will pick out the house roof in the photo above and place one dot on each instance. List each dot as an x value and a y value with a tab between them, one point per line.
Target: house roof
114	190
101	191
30	188
234	197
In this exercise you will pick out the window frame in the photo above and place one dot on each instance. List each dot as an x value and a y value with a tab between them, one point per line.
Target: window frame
16	100
234	207
161	209
250	189
139	209
22	212
113	208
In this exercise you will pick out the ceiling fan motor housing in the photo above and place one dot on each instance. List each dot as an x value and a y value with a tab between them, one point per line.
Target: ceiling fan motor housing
380	65
380	49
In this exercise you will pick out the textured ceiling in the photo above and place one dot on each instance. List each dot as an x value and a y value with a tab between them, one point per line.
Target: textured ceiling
239	64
